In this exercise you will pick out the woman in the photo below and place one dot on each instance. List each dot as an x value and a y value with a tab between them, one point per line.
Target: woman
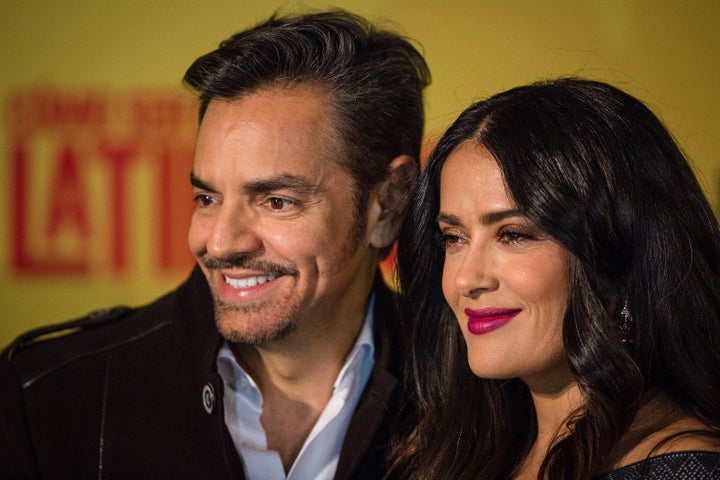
561	248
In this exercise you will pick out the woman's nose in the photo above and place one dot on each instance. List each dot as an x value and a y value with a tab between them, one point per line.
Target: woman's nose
476	272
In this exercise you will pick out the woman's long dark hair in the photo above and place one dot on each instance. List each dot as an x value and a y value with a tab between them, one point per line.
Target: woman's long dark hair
595	168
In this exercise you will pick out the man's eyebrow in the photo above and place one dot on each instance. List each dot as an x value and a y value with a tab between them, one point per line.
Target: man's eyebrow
281	182
200	184
265	185
485	219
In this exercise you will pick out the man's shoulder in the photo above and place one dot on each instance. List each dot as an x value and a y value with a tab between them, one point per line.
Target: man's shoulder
34	340
100	330
40	351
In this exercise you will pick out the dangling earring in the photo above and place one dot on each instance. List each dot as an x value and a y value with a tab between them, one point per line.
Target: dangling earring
626	322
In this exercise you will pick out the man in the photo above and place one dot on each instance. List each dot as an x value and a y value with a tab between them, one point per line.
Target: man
275	359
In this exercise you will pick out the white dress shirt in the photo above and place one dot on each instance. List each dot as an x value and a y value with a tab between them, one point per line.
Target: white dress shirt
319	455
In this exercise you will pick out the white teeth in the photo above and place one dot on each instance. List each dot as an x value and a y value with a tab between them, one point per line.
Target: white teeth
249	281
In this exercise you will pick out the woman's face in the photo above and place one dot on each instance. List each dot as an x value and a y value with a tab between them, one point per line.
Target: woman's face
506	280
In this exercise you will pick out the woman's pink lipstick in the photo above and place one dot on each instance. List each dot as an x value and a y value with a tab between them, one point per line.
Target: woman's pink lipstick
489	319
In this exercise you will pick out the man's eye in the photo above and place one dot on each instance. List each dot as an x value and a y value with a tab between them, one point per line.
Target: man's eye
204	200
277	203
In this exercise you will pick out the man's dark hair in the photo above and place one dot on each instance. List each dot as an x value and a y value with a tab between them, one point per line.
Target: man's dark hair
374	80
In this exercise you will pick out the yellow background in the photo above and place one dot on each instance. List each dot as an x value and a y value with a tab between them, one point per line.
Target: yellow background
663	51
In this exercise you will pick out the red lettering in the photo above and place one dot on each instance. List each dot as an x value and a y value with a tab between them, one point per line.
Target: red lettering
118	158
46	258
174	200
45	109
52	219
68	198
18	203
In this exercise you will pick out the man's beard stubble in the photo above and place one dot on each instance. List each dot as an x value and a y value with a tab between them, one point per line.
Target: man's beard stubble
229	318
225	324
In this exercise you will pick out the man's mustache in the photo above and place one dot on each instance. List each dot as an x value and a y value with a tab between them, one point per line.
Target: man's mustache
249	262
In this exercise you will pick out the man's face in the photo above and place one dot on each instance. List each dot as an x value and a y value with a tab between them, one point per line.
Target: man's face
272	230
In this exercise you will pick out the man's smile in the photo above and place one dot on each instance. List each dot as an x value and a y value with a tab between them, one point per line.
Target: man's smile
250	281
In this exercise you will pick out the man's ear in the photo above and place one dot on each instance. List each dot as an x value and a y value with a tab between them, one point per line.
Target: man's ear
390	200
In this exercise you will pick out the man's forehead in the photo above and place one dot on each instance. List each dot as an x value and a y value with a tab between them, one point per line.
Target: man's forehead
270	133
284	120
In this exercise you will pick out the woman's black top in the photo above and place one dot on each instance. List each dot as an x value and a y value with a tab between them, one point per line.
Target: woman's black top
693	465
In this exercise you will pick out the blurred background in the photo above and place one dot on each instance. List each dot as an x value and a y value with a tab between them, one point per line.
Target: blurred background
97	132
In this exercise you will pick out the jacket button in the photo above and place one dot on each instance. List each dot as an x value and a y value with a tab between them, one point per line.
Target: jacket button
209	399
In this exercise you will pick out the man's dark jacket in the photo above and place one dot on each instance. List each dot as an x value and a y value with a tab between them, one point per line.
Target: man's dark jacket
134	394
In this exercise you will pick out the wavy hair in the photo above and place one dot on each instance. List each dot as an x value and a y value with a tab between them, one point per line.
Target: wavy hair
595	169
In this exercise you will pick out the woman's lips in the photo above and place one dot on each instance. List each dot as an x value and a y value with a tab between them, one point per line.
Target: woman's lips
489	319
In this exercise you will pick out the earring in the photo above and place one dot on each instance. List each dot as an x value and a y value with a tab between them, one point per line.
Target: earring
625	324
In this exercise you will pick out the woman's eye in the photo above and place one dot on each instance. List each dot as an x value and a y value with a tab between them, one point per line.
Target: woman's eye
449	240
510	236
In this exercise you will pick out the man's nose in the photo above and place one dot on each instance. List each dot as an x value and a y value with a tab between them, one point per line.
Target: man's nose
233	232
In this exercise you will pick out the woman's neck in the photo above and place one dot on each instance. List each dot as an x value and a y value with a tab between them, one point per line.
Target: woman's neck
553	406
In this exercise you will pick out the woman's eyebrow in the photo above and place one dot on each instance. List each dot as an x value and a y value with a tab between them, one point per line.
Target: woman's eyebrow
494	217
485	219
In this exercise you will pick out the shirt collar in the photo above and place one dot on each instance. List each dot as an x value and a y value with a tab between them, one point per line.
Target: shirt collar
363	349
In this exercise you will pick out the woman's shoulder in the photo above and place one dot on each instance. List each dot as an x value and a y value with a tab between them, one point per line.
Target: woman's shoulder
679	465
675	434
666	444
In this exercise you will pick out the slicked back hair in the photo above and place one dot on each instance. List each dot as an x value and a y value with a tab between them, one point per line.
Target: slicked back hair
374	80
